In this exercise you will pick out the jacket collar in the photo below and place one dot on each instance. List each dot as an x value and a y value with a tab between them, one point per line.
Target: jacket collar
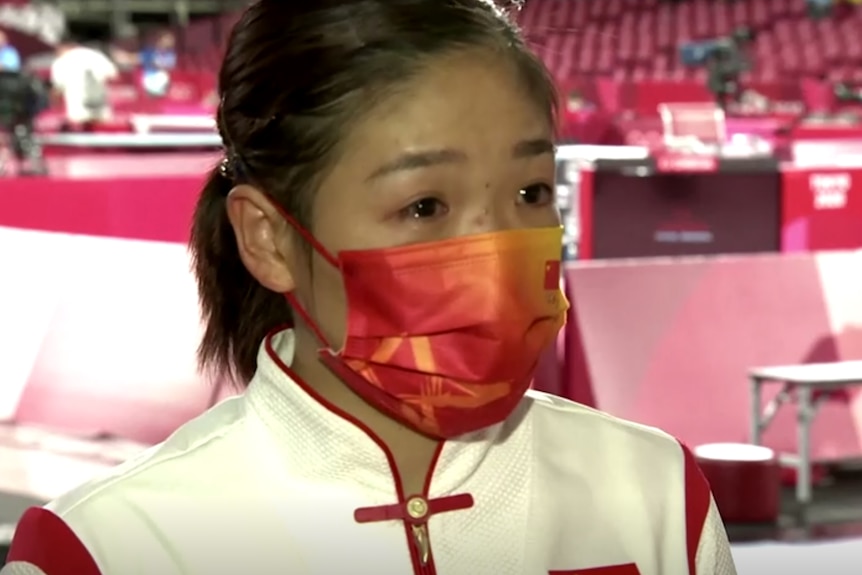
321	443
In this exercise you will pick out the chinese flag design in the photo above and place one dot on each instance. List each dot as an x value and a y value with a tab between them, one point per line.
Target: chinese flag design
552	275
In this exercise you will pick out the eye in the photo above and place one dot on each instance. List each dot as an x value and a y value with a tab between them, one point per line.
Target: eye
536	195
425	208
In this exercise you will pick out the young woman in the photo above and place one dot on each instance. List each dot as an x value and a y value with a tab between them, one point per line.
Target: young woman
378	258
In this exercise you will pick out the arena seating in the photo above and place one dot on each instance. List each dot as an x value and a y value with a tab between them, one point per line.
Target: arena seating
193	82
624	54
635	44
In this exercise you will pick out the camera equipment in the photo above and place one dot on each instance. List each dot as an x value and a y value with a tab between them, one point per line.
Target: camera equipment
700	53
725	61
22	98
847	95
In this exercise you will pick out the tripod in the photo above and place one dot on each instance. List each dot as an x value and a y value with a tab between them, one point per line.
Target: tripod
19	103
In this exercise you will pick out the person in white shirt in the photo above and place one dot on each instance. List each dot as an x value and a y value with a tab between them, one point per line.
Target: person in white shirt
80	75
378	261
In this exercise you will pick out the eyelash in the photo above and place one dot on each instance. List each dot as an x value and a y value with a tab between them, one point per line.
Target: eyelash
414	210
548	191
418	209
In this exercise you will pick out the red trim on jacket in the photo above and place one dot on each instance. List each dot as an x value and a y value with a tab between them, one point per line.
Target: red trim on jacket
44	540
418	567
697	502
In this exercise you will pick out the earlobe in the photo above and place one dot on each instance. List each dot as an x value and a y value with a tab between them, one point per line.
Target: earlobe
260	237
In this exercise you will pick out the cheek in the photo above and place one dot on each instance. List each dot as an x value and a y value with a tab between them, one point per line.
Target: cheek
553	216
545	217
328	301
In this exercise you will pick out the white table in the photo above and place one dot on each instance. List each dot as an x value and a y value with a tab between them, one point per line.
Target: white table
132	140
804	385
145	123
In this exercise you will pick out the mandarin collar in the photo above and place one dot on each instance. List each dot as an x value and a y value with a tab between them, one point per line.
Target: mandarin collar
323	445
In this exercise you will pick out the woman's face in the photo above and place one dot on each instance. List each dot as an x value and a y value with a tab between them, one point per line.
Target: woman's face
462	150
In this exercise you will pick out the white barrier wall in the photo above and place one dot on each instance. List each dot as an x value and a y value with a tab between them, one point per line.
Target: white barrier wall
98	335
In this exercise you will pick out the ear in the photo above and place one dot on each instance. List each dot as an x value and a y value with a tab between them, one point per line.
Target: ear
262	238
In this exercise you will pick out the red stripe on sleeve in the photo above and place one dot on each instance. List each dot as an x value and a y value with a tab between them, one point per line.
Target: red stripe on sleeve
697	502
44	540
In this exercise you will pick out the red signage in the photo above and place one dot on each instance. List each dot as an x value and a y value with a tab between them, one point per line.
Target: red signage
822	209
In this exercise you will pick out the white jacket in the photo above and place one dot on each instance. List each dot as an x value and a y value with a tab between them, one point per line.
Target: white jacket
268	483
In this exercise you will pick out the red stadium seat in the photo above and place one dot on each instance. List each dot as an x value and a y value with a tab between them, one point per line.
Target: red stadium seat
637	43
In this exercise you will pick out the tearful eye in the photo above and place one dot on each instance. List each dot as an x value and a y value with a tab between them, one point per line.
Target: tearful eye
536	194
424	209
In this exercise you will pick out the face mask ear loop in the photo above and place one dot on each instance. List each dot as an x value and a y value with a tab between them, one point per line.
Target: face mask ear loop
306	235
325	254
296	307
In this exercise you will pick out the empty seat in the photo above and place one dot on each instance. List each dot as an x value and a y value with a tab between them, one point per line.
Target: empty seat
626	38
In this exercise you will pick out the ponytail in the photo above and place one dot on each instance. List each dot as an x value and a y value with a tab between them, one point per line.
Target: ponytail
237	311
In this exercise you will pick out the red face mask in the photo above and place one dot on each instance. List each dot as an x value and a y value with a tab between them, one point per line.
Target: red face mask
445	336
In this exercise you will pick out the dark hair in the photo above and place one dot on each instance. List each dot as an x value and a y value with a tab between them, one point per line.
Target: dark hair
296	73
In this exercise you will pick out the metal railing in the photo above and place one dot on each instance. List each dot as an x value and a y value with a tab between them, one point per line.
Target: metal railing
74	8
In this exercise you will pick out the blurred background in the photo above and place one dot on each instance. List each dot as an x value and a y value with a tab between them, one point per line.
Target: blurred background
710	178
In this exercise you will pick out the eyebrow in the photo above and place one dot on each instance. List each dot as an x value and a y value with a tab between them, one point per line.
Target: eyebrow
533	148
418	160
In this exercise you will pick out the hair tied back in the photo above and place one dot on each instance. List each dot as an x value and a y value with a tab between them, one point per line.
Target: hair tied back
231	168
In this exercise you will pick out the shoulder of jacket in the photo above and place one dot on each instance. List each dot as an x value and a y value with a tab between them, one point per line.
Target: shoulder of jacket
165	463
567	419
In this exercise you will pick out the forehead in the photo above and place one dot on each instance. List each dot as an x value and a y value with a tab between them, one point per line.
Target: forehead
475	102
